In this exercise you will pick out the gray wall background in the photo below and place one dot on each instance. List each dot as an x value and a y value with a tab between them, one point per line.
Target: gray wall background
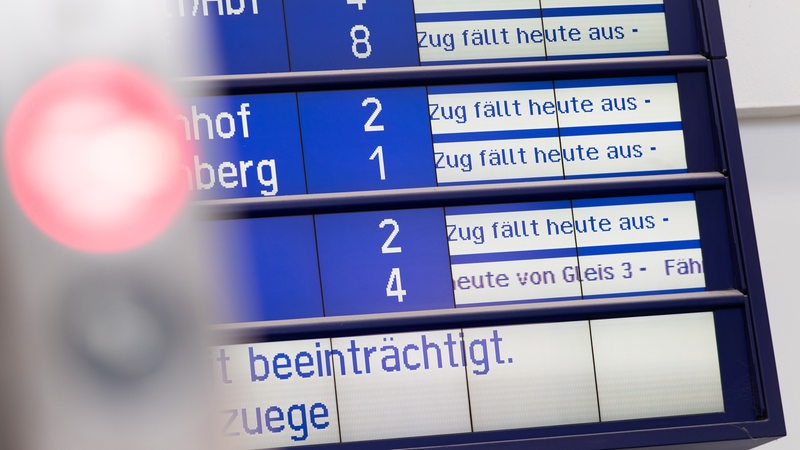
763	41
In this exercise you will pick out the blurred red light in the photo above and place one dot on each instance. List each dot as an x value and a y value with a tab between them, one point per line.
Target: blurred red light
94	157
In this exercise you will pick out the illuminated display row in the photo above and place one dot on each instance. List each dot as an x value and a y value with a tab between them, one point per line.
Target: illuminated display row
439	258
458	381
340	141
257	36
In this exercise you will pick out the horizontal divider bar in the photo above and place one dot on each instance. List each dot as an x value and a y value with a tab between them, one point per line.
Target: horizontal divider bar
478	316
432	75
530	191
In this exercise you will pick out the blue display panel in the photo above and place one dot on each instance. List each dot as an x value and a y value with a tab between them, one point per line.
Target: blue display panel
249	146
236	36
366	140
386	261
270	268
351	34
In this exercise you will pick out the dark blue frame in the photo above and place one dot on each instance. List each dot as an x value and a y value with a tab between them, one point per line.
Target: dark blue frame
734	291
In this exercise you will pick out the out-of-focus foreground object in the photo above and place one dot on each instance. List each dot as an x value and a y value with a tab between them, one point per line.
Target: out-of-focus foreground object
102	311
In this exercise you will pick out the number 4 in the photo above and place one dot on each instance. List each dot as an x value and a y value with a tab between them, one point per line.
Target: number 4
360	3
394	288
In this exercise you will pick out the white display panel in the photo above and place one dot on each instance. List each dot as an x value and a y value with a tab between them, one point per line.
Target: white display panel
414	385
500	110
547	378
519	280
459	381
579	3
440	6
613	33
652	151
672	270
479	39
646	247
530	131
657	366
470	30
501	159
511	231
611	130
627	223
550	251
619	104
275	394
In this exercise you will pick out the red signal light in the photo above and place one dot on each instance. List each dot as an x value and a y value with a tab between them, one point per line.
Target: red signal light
94	157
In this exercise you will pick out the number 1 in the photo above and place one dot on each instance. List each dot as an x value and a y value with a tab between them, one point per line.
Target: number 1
360	3
378	153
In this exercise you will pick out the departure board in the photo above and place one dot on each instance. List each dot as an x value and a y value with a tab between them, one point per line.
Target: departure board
508	224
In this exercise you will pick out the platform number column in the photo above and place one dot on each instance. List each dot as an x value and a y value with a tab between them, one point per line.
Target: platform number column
394	288
350	34
384	261
371	126
365	140
360	34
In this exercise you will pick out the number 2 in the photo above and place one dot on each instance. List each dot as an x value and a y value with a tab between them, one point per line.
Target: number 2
387	246
369	125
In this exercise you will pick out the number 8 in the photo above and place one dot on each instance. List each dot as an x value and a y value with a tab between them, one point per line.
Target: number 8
363	40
